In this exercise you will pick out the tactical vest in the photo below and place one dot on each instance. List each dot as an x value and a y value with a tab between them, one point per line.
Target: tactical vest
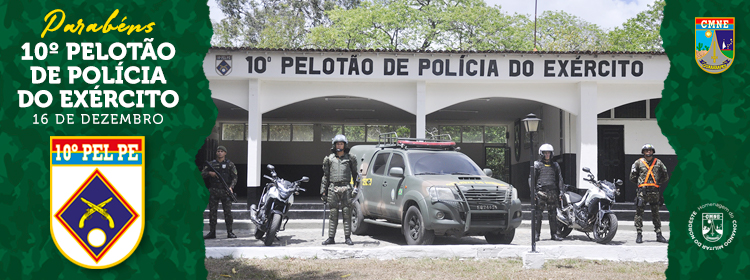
547	176
340	171
224	171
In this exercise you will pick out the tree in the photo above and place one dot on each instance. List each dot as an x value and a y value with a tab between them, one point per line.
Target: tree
272	23
422	25
640	33
560	31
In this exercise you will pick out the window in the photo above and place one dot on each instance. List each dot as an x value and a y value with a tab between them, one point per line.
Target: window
652	110
379	166
374	131
496	134
472	134
302	132
635	110
233	131
327	132
281	132
453	131
354	133
438	163
396	161
264	133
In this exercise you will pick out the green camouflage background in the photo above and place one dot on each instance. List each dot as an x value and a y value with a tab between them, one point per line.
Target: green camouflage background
172	246
705	117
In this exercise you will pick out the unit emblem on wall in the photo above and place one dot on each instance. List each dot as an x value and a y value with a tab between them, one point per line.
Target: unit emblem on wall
223	64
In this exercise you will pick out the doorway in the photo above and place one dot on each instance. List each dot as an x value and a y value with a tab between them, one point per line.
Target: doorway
611	155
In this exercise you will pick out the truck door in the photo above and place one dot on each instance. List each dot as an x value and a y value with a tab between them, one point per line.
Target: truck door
372	187
392	192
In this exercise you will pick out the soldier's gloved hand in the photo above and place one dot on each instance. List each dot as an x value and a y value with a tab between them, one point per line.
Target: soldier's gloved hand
324	198
541	195
355	191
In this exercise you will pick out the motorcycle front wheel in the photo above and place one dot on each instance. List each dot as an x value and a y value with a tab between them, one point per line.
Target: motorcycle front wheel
563	230
275	225
259	233
605	229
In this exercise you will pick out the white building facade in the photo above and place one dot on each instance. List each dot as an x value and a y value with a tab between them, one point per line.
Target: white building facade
596	108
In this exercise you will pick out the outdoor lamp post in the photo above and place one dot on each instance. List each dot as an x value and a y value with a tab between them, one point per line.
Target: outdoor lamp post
532	123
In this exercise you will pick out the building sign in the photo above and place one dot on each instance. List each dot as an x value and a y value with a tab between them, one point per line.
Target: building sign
476	67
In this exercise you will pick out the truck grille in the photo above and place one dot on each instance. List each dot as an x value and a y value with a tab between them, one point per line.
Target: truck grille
478	196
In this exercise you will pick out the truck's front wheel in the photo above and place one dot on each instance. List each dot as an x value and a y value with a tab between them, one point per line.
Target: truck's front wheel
414	230
359	227
501	238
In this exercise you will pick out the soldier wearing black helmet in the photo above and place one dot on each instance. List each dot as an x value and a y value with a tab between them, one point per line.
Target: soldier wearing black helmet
339	170
649	173
228	171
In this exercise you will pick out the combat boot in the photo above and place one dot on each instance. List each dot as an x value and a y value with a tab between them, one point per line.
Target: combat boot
660	238
230	234
348	241
639	238
211	234
329	241
556	238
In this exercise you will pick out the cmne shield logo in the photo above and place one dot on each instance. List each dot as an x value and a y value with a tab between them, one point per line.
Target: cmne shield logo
714	43
223	64
97	198
713	226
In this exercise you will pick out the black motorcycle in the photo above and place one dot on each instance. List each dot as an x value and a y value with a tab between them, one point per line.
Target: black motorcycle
591	212
277	198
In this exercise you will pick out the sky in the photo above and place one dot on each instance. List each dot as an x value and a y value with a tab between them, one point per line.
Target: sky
608	14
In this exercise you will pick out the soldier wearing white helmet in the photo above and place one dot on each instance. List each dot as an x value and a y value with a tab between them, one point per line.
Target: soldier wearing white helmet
549	184
648	172
339	170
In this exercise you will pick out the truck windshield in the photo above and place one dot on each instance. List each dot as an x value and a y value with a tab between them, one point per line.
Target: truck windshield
442	163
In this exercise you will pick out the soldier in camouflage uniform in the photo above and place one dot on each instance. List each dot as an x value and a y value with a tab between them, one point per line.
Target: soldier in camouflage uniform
648	172
549	184
228	171
339	170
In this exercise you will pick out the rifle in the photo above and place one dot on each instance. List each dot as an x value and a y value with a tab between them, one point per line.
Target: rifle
226	186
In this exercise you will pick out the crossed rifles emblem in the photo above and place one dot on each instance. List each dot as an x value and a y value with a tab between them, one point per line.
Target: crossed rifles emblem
96	208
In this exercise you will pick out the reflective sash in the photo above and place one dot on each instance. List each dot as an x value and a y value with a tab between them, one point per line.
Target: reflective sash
649	174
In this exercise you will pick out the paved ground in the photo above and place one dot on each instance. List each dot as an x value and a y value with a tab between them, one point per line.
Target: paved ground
302	238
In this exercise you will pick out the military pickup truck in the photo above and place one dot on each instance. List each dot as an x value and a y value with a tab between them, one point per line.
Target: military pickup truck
427	188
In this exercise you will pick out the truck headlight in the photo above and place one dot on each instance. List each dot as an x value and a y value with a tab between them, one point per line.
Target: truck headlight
443	193
513	194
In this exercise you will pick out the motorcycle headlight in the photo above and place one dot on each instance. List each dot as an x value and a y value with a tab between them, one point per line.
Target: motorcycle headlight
285	190
443	194
609	192
273	192
284	194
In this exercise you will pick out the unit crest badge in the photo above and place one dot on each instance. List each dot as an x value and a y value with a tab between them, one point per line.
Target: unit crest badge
97	198
223	64
714	43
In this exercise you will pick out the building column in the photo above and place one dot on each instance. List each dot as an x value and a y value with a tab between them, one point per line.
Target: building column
421	113
586	132
254	127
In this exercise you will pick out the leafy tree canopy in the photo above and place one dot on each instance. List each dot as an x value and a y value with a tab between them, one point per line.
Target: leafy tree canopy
423	25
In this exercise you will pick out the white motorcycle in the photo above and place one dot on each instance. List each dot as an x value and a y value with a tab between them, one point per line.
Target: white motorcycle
277	197
591	212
